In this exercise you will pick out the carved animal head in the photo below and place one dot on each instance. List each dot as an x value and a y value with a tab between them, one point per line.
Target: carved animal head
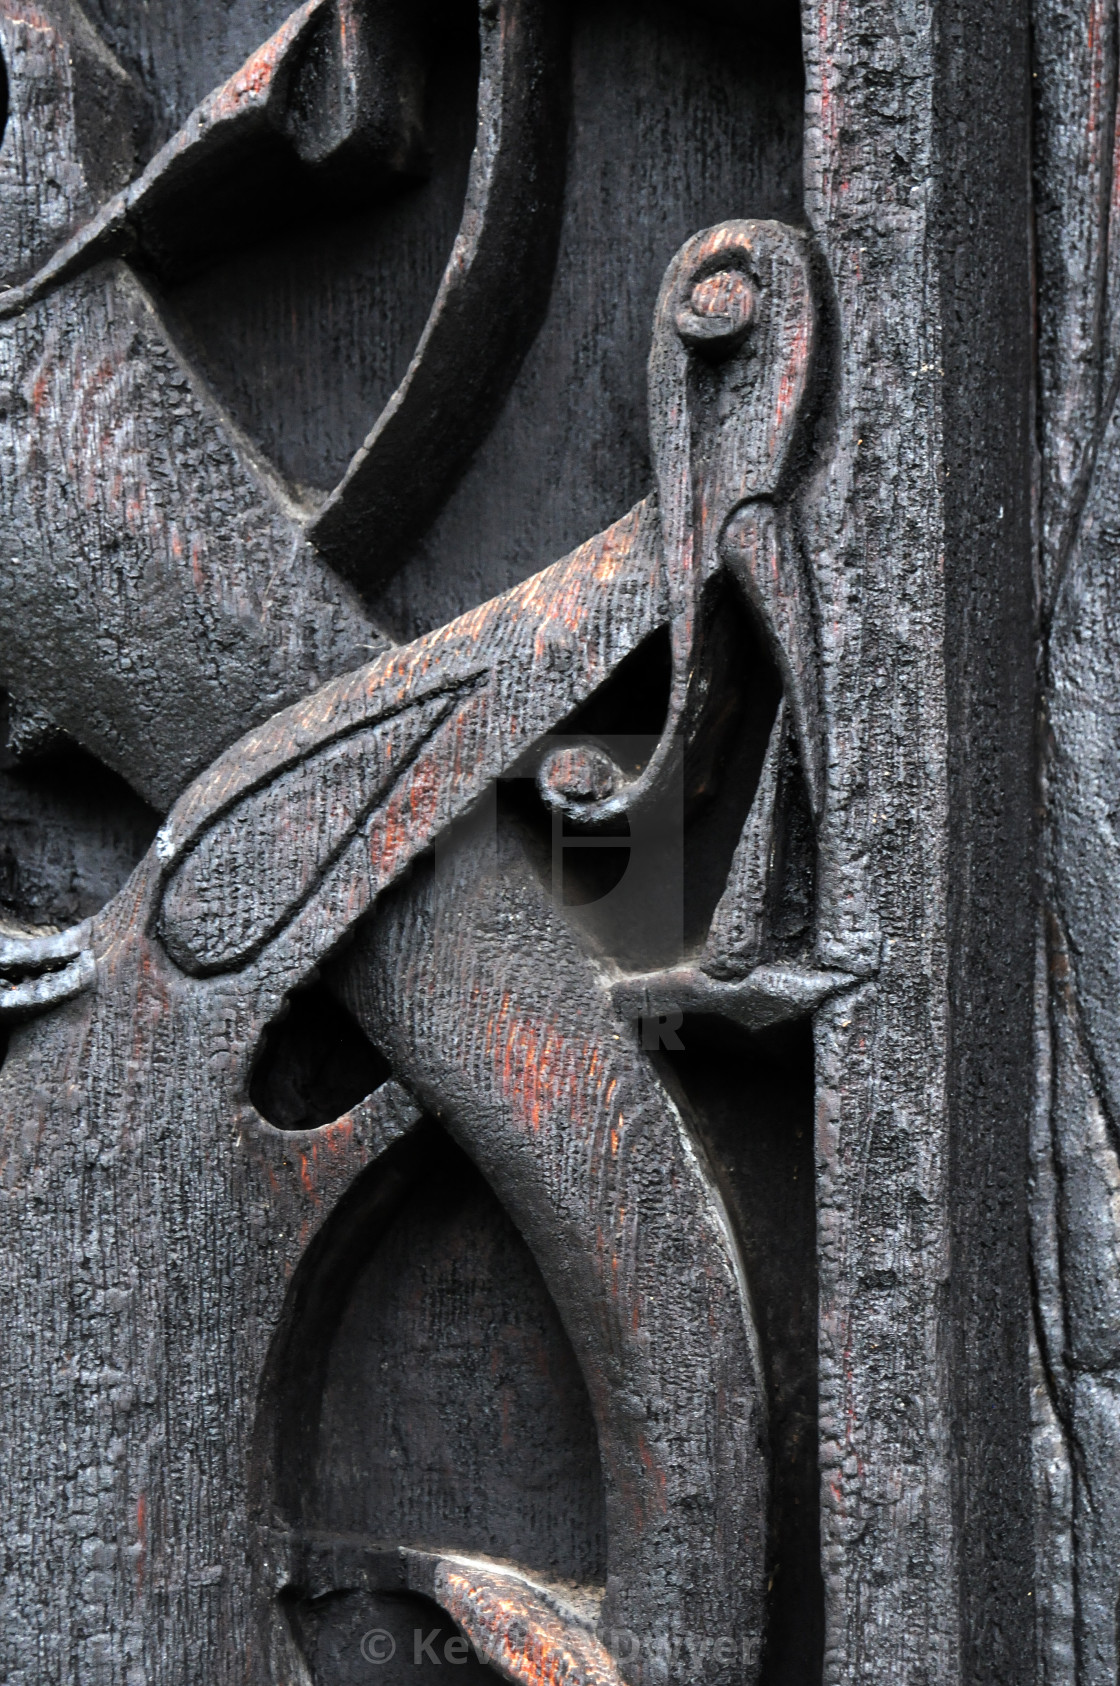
730	371
342	791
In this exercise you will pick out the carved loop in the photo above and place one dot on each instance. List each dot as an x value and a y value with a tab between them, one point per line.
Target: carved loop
718	314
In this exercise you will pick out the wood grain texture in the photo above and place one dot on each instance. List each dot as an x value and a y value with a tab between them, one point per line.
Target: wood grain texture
380	1261
420	1441
887	1526
984	220
262	868
679	120
159	539
678	1410
1075	1165
893	151
482	317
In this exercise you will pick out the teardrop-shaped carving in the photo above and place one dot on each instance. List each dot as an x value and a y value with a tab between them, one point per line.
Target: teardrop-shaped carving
260	860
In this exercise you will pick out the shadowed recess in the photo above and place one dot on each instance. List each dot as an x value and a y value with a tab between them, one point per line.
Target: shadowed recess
425	1392
454	1413
750	1098
314	1063
635	699
634	886
71	832
682	116
305	336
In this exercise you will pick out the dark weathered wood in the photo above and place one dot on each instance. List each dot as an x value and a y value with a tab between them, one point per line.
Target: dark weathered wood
915	131
178	468
1075	1168
983	221
537	1153
680	119
488	308
259	871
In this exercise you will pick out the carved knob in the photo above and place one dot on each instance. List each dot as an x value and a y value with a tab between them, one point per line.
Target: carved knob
575	775
718	313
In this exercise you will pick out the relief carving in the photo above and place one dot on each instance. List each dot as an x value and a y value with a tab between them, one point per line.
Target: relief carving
515	1072
392	834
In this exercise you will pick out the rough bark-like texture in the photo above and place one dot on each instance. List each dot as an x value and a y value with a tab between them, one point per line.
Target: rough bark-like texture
914	1589
1076	1171
382	1262
205	1548
888	1538
983	221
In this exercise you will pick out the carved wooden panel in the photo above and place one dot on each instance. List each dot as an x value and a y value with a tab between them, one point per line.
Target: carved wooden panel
516	844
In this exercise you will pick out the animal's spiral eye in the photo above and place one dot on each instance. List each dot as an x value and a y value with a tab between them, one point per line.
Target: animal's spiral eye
718	313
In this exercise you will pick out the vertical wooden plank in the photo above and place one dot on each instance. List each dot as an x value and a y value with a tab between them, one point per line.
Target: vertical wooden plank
983	226
875	531
928	681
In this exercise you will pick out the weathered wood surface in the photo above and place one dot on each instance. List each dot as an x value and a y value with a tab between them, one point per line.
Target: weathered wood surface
1076	1173
155	491
236	1097
260	870
918	521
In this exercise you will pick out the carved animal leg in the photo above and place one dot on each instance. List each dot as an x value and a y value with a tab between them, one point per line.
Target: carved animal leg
476	988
